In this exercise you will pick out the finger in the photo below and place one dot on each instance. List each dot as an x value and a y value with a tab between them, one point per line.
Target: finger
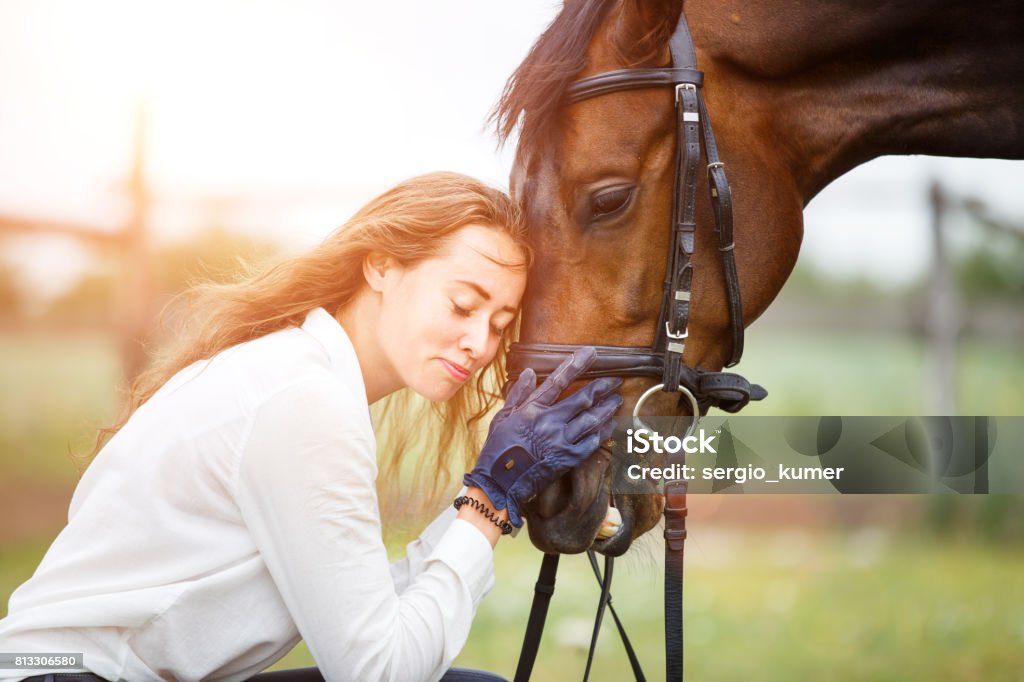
590	445
593	420
603	387
577	455
524	386
591	394
565	374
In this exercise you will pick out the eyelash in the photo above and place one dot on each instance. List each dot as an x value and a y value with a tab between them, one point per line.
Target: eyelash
462	312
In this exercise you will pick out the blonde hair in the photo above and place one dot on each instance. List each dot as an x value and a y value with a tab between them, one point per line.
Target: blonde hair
409	223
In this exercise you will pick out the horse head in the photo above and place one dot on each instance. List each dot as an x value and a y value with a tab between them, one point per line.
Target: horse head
596	181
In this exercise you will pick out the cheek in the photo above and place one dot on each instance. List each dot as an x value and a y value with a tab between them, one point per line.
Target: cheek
492	349
439	328
417	315
430	330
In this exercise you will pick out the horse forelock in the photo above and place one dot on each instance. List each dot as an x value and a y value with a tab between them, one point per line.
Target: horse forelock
532	99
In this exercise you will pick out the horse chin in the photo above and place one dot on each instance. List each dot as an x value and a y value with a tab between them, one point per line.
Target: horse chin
565	516
572	530
639	514
617	544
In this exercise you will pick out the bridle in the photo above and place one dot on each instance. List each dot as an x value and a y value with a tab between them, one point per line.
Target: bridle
664	358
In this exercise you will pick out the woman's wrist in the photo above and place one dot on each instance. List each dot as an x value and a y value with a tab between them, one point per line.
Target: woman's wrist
478	517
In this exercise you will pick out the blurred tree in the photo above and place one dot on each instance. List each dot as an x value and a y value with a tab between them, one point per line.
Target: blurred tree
993	265
88	303
811	281
990	518
215	254
994	268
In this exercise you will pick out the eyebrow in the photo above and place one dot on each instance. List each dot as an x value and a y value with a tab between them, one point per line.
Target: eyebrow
483	292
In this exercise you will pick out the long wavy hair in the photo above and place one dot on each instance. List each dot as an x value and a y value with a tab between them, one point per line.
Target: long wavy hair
410	223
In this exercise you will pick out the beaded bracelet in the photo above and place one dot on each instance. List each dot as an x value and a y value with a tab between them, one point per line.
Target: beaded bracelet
505	526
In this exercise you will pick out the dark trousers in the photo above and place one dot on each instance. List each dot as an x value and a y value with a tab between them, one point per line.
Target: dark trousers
313	675
297	675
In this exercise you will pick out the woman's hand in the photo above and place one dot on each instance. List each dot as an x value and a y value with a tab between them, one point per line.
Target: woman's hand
536	438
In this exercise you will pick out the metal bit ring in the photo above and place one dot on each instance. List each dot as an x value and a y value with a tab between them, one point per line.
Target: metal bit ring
639	423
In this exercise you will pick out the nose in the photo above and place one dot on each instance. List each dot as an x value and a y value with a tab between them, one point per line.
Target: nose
476	339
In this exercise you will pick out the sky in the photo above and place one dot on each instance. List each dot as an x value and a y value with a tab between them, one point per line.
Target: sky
284	117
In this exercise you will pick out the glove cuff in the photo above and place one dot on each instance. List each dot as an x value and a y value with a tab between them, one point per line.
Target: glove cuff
498	497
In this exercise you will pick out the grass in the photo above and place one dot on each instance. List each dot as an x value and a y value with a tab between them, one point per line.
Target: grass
18	561
876	374
864	605
57	391
861	604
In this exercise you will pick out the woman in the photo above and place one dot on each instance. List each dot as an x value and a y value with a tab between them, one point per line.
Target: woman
234	509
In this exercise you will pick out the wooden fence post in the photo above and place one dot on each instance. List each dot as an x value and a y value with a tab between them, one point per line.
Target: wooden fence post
942	317
136	295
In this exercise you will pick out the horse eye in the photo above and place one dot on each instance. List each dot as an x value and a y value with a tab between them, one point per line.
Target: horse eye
609	201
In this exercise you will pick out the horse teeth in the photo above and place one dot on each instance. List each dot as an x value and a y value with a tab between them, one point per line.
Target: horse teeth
611	524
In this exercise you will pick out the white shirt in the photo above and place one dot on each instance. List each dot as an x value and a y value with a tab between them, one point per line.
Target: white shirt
236	512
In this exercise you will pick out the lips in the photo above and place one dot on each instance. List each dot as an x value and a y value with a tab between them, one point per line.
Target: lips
458	372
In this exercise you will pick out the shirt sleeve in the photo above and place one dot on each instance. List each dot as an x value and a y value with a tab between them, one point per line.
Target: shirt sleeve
419	550
306	490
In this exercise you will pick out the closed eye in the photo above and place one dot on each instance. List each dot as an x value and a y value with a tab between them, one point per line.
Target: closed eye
464	312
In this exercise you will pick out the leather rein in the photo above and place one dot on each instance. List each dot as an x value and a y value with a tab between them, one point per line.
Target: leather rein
664	358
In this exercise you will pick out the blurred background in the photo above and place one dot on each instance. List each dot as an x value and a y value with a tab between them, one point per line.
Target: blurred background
145	145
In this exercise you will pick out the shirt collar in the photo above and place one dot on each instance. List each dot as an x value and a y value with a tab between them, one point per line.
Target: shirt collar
323	327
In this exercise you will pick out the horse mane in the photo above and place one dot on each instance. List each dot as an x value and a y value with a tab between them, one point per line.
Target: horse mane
533	95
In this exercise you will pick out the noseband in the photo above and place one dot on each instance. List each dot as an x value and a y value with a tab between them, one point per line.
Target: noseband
664	358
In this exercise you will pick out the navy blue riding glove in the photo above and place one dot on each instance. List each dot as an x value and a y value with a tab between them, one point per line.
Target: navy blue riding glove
536	438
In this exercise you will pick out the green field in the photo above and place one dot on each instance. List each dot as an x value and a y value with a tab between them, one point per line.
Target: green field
844	374
56	391
847	601
863	605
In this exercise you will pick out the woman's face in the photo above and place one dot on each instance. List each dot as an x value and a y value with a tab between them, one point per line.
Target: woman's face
442	319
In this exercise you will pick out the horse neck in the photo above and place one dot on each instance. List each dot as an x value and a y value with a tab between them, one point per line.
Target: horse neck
838	83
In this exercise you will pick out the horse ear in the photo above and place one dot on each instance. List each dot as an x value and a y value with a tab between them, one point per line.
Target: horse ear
644	26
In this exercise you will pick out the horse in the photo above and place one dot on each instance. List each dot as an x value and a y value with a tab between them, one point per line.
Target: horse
799	93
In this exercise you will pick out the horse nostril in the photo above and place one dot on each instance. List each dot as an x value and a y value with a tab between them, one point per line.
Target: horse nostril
550	501
581	494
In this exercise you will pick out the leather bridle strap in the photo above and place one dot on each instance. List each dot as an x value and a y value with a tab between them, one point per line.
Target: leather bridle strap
630	79
542	592
721	204
675	537
727	391
679	270
606	598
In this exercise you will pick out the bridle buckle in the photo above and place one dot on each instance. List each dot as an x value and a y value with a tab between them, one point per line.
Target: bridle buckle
684	86
675	336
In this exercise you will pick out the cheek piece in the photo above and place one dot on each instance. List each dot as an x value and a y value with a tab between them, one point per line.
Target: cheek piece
536	437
